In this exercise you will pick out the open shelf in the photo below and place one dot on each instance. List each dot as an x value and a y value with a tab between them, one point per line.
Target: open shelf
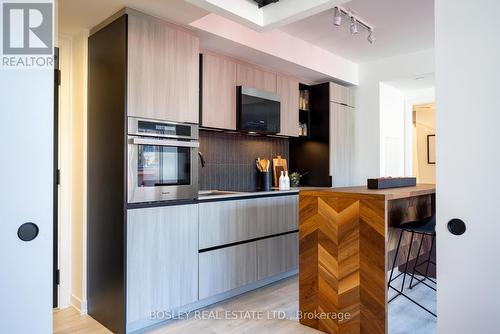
304	113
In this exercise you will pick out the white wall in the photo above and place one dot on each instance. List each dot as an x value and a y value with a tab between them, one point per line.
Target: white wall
64	151
396	128
78	170
367	113
73	132
392	131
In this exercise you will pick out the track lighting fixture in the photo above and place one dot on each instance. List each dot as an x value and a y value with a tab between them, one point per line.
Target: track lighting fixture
371	38
355	22
338	17
354	26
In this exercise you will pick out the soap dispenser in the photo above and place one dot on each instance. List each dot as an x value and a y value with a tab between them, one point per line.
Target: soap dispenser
282	182
287	181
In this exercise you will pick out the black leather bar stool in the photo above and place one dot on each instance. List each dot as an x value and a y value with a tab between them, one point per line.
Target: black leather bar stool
423	228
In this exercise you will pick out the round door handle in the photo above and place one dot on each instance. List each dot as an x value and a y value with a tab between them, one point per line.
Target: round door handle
27	231
456	226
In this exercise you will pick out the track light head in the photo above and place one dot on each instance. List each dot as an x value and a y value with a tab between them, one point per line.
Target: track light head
355	22
338	17
371	38
354	26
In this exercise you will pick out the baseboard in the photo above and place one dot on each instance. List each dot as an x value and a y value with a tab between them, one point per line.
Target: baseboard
79	305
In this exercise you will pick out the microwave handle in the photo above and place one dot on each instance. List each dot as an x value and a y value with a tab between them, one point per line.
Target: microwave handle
163	142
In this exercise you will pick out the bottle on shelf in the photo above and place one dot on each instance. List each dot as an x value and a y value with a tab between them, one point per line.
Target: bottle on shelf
287	181
282	181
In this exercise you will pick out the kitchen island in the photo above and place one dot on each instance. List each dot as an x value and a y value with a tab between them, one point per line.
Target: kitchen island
346	242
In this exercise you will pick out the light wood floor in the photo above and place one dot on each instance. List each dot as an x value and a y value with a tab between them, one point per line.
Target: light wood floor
70	321
281	297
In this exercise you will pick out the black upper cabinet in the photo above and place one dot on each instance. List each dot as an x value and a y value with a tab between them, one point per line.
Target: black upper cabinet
311	154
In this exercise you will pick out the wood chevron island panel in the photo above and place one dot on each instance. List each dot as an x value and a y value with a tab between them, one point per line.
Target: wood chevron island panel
341	244
343	256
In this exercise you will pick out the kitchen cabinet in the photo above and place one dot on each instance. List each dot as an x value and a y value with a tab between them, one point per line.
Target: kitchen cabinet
326	154
231	221
220	75
341	94
341	143
223	223
162	259
288	90
277	255
254	77
162	71
277	215
227	268
218	92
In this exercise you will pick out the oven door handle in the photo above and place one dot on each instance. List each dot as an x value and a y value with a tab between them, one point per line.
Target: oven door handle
163	142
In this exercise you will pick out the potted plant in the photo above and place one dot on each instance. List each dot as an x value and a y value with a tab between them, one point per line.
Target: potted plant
295	178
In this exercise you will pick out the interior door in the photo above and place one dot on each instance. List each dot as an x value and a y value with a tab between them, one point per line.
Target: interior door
468	165
26	171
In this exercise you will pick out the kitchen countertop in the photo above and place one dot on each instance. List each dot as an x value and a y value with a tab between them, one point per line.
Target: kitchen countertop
224	196
389	194
362	191
272	192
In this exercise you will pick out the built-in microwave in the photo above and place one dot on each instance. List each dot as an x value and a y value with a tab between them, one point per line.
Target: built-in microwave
257	111
162	160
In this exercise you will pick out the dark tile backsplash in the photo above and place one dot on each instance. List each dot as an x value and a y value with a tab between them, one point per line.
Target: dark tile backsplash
230	159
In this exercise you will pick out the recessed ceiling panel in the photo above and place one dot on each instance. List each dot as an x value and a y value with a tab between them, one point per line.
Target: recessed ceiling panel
272	15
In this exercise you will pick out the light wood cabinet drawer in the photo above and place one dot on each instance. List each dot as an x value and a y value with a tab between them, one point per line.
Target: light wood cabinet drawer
277	255
227	268
227	222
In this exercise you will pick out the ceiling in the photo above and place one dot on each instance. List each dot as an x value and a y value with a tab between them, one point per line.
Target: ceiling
77	15
73	16
269	17
401	27
422	81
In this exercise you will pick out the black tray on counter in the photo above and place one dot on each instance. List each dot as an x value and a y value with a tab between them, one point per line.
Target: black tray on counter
395	182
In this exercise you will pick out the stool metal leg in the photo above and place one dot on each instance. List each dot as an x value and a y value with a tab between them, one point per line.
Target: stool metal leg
427	262
400	292
422	237
430	255
407	259
395	257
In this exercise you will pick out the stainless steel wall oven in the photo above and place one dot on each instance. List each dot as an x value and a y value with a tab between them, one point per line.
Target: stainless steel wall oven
162	160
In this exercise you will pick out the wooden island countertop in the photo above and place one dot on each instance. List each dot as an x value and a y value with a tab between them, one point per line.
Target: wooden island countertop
346	240
389	194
